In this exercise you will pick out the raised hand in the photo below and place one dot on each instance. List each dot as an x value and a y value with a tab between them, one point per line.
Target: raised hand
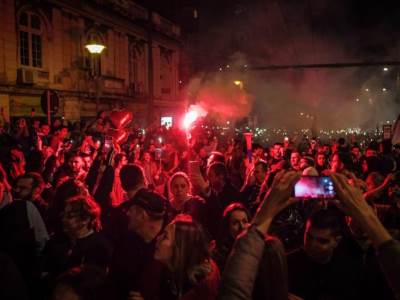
277	199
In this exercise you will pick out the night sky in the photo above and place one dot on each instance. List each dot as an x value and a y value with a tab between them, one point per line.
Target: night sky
288	32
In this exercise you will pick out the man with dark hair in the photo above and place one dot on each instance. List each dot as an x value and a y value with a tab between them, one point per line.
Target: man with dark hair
218	194
132	179
133	257
318	271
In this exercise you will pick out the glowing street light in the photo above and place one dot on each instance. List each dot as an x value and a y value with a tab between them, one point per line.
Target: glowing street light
367	90
95	48
238	83
385	69
384	90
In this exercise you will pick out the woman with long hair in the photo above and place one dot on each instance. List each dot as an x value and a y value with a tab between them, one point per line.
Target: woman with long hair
235	219
183	249
181	200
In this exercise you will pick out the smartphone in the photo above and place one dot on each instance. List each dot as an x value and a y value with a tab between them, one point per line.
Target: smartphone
158	154
314	187
107	144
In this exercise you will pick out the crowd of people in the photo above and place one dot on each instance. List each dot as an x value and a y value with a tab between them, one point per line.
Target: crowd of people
161	216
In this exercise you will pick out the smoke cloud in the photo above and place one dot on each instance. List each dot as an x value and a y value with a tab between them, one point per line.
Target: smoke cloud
280	32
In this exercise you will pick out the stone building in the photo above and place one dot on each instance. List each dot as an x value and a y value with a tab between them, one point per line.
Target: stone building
42	46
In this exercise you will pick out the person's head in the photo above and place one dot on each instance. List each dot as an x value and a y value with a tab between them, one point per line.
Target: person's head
45	129
180	187
217	175
323	234
28	186
215	157
87	161
147	156
132	177
295	160
63	132
306	162
258	151
373	180
146	209
277	151
260	171
183	248
235	220
75	163
81	283
120	160
80	215
355	150
337	164
370	152
321	160
370	164
21	123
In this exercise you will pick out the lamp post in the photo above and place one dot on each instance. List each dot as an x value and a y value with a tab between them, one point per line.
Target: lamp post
95	49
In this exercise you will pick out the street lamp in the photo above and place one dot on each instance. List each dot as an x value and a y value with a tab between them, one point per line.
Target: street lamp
95	48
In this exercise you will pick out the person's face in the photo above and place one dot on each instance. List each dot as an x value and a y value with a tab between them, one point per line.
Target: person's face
124	161
259	174
370	183
237	223
45	130
370	153
258	152
356	152
179	188
277	152
147	157
217	182
64	292
321	160
319	244
21	123
63	133
72	221
36	124
76	164
303	163
165	245
336	164
23	189
295	160
87	162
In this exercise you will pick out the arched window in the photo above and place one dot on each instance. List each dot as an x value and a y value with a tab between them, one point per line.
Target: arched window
30	37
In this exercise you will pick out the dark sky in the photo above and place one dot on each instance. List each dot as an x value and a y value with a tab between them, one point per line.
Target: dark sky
287	32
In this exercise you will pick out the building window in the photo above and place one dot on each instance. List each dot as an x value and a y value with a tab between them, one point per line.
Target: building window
30	40
137	67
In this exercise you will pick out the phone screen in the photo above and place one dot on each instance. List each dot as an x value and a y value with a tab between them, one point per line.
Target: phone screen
107	144
314	187
158	154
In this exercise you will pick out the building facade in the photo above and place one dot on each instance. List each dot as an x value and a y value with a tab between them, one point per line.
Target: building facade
42	46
